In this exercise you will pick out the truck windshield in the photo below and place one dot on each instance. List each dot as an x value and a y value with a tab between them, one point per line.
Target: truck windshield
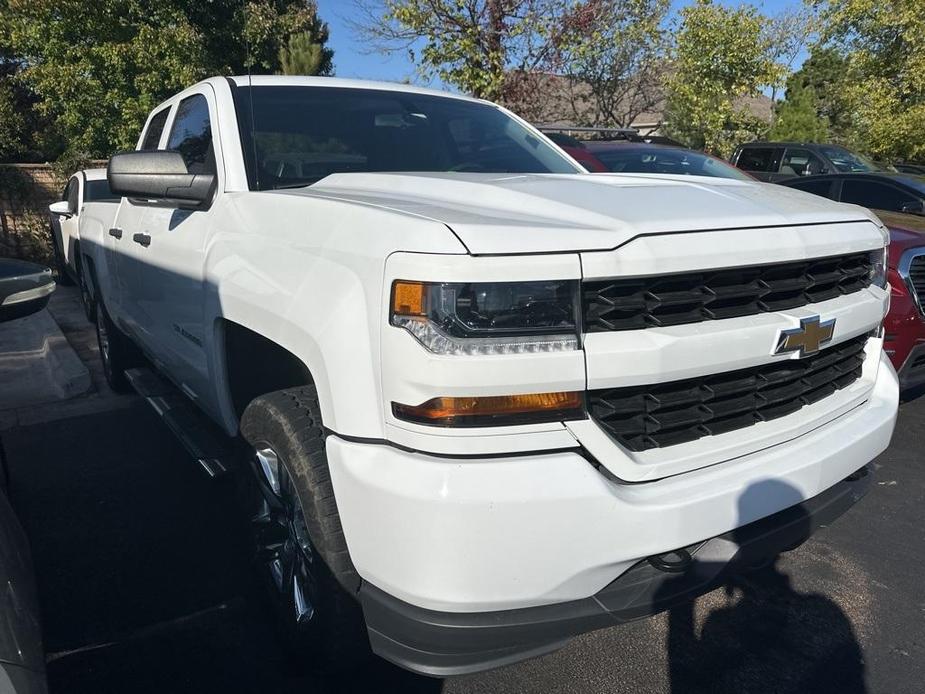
666	160
301	134
847	161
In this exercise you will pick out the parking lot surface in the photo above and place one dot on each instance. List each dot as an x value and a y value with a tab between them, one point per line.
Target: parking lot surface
143	567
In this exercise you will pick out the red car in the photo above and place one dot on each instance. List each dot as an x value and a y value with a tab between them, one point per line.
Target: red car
646	158
905	324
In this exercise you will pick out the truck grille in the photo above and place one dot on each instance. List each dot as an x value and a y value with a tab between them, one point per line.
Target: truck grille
647	302
917	279
665	414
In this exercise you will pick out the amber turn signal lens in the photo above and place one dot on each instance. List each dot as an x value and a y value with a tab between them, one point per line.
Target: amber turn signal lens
408	299
495	410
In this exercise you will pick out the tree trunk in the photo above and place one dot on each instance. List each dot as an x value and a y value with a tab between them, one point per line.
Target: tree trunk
493	42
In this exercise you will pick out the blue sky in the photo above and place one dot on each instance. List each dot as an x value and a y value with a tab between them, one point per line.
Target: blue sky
352	58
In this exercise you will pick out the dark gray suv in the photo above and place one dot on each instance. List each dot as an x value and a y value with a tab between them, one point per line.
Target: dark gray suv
775	161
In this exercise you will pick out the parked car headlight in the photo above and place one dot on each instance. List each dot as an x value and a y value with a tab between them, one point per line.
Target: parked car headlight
878	266
488	317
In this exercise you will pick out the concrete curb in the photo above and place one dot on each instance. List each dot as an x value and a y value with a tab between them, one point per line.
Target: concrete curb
37	364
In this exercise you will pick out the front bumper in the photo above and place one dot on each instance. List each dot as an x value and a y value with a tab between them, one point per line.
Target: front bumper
451	643
489	535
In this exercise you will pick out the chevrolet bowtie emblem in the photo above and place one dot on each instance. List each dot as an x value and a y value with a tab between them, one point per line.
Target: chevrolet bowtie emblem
808	338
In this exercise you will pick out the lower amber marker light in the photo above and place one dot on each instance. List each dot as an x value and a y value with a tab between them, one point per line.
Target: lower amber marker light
494	410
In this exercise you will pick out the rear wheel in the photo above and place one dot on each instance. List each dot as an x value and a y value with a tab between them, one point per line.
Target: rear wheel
116	351
64	278
86	297
301	553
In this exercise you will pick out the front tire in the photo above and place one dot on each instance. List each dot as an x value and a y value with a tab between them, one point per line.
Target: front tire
301	551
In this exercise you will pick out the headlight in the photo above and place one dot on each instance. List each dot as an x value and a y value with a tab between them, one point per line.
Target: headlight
488	317
878	266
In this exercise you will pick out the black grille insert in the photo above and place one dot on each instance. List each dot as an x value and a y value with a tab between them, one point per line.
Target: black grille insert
917	278
665	414
647	302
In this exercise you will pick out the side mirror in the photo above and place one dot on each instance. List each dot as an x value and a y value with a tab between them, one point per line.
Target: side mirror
24	288
914	207
158	175
61	208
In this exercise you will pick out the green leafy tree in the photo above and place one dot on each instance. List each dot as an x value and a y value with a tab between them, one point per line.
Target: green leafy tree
825	72
24	134
721	56
270	24
97	71
798	119
884	43
15	135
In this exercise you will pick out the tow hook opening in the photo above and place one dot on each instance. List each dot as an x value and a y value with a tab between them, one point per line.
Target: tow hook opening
675	561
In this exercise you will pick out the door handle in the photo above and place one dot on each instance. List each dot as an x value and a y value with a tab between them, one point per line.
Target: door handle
116	231
143	239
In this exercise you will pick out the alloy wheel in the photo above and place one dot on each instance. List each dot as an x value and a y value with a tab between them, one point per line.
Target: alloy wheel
285	551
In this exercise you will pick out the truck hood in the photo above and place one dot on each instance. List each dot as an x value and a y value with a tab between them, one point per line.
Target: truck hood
506	213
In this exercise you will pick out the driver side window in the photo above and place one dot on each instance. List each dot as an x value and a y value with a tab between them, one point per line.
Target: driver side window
801	162
191	135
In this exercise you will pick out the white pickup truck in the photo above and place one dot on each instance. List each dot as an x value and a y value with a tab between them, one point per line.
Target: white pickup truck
491	401
86	209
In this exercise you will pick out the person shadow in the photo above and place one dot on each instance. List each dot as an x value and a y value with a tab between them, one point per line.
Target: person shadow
766	637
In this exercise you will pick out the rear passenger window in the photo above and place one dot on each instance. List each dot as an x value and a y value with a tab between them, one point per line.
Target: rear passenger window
191	135
757	159
878	196
155	128
815	186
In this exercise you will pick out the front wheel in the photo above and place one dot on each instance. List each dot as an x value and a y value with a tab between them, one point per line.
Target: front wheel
301	552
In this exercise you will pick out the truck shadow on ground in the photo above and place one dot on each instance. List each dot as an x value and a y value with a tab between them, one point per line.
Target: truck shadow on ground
144	568
767	637
145	581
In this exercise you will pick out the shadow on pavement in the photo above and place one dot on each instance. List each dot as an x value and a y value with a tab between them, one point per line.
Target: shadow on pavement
769	637
144	572
144	576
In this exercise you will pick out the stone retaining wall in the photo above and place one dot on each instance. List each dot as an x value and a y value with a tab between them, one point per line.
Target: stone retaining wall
26	190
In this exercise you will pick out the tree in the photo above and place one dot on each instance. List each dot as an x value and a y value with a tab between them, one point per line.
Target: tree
97	74
786	35
301	55
825	72
268	27
15	111
797	117
884	43
720	57
612	52
471	44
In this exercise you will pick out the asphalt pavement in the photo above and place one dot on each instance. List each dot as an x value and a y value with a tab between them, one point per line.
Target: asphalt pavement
143	568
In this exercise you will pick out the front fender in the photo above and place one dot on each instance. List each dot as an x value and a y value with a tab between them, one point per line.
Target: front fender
306	272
